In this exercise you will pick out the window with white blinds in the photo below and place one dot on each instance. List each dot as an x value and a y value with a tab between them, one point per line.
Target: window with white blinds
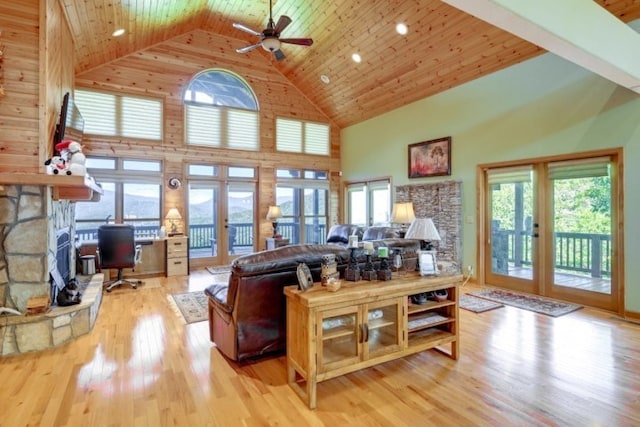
120	115
296	136
221	127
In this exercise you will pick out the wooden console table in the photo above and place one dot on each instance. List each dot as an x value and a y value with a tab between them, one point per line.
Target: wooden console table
365	323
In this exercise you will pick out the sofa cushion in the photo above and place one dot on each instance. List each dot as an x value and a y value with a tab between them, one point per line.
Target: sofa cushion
379	233
339	233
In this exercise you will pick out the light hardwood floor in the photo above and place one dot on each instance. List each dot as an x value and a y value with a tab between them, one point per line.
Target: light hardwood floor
143	366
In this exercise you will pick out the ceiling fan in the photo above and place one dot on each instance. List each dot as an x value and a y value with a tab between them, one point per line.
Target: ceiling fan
270	37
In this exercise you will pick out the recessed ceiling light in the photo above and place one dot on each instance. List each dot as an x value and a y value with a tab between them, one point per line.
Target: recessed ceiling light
325	79
402	29
356	58
118	32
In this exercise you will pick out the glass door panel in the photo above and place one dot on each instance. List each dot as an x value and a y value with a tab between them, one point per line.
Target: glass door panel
383	333
315	215
239	224
203	199
511	228
340	333
581	193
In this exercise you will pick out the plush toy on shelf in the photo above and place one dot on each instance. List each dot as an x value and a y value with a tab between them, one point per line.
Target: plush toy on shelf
71	152
57	166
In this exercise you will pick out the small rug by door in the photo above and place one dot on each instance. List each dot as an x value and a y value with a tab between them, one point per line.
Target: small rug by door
477	305
219	269
192	305
534	303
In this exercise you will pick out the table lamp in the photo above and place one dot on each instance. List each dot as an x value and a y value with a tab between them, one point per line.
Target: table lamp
274	214
424	230
173	216
402	214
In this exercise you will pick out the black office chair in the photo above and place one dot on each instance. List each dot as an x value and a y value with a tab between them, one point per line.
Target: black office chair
117	249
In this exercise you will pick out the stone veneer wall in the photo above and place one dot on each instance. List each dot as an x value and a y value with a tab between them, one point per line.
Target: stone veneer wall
29	221
442	202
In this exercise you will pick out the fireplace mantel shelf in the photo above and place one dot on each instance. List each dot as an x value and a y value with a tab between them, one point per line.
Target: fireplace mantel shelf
65	187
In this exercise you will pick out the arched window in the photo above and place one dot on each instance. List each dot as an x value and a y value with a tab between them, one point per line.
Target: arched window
221	110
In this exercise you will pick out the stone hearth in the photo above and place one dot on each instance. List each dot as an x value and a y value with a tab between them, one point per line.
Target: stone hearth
23	334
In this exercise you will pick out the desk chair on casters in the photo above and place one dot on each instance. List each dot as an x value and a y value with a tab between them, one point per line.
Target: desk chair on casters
117	249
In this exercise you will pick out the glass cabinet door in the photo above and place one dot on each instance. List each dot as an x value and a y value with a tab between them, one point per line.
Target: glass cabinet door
340	334
383	328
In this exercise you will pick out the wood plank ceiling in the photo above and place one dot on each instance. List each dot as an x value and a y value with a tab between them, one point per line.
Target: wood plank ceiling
443	48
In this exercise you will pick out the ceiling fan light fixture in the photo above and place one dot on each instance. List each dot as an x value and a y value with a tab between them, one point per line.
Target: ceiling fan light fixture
271	44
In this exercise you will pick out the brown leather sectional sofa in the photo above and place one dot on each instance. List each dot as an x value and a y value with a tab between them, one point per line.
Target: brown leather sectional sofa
247	314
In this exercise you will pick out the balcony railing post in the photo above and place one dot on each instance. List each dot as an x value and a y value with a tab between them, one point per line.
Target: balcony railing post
596	256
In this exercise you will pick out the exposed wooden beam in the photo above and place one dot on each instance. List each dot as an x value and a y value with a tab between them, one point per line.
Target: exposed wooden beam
582	32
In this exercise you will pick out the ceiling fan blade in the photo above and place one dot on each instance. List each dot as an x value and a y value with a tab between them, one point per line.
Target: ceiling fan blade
246	29
283	23
302	42
248	48
279	55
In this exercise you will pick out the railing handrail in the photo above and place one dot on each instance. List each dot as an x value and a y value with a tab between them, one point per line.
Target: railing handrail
579	252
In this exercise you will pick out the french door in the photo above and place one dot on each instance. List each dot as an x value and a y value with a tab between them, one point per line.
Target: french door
221	220
549	229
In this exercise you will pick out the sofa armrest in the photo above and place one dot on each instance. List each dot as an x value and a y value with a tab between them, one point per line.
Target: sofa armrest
218	294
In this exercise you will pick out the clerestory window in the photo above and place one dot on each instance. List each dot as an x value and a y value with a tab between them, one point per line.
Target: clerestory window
221	110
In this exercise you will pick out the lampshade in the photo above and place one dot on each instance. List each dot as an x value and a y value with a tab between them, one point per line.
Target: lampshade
271	44
173	214
422	229
274	213
402	213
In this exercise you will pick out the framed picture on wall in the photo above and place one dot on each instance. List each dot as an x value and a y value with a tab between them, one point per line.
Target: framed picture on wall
430	158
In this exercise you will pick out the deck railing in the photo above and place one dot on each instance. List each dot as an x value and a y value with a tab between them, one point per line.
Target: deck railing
588	253
203	236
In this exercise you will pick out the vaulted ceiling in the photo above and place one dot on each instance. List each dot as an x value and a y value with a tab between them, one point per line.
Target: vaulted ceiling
444	47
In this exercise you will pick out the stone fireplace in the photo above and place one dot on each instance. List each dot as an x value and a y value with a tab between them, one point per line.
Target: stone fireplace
33	230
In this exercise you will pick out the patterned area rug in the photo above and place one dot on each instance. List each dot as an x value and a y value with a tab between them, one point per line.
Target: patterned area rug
477	305
192	305
534	303
219	269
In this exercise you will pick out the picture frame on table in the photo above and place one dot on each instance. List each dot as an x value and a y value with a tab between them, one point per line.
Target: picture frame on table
427	263
305	280
430	158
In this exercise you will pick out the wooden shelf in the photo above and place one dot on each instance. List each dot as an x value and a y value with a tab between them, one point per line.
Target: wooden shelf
65	187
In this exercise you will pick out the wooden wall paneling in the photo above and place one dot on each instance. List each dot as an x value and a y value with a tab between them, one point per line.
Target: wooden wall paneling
19	112
165	69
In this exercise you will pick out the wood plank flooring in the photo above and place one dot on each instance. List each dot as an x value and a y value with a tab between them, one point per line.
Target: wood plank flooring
143	366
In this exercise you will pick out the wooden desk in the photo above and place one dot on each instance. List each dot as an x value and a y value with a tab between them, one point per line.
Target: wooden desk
153	261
